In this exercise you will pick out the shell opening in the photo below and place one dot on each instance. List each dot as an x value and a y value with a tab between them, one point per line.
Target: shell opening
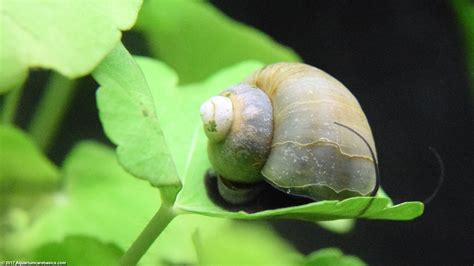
217	115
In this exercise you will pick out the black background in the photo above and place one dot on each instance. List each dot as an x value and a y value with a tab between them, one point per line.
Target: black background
404	61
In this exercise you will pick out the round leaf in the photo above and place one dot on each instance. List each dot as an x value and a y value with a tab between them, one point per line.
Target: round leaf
71	37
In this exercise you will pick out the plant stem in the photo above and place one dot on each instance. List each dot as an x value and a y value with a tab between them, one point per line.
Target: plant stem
154	228
51	109
10	106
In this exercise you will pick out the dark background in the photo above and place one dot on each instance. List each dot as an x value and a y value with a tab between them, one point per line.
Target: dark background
404	61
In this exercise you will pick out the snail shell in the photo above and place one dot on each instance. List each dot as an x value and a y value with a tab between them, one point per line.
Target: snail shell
282	130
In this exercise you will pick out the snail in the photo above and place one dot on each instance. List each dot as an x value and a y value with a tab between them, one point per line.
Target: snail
295	127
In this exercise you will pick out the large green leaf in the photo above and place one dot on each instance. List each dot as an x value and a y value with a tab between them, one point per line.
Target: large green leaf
177	107
197	39
127	113
71	37
101	203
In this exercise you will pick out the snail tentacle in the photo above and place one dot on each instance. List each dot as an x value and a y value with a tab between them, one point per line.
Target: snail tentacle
441	176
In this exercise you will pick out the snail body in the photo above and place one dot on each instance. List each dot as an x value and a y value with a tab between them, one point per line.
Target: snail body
283	131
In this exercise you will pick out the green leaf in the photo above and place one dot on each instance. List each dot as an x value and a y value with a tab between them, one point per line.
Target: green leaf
197	39
178	109
332	257
24	170
78	250
71	37
127	113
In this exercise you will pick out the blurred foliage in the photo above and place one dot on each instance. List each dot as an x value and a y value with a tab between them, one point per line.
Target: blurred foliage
246	244
78	250
465	12
196	39
332	257
25	173
338	226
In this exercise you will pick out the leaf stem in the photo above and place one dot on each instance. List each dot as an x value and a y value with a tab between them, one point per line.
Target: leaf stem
10	105
51	109
154	228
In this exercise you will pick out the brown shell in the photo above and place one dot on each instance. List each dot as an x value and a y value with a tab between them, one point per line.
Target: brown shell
310	155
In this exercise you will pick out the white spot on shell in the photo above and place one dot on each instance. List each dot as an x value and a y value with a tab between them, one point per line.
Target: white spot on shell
217	115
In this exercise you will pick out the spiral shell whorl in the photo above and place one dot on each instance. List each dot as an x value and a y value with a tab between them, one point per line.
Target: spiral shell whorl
242	154
217	115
